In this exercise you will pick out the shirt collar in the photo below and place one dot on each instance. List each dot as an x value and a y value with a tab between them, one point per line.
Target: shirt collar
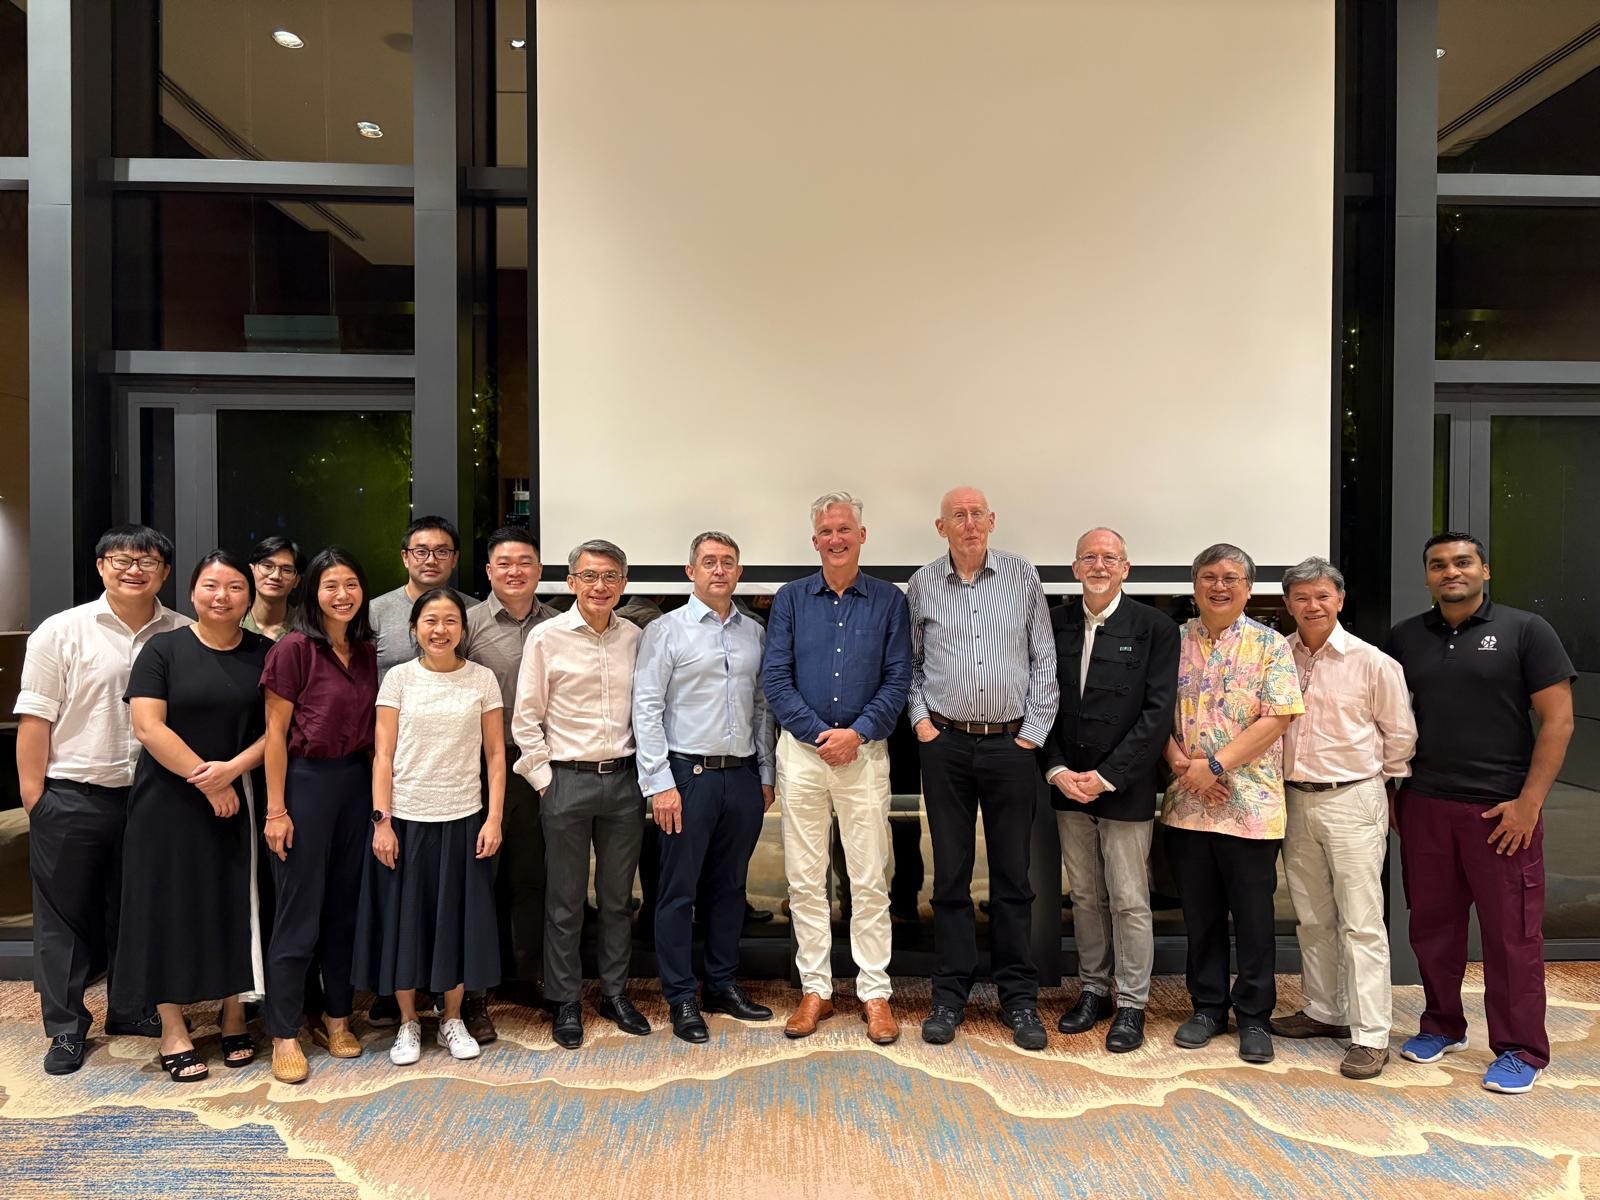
1231	631
699	610
573	619
103	610
1484	612
1105	614
954	576
817	585
1338	641
496	609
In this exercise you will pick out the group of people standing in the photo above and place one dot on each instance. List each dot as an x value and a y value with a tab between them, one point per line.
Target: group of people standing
323	802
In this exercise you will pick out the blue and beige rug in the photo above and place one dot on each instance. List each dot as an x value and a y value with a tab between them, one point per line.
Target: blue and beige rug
752	1114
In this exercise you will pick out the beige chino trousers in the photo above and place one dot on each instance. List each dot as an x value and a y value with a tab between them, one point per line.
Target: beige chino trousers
811	794
1333	859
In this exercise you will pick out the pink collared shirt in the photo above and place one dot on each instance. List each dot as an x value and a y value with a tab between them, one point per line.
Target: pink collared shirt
1358	720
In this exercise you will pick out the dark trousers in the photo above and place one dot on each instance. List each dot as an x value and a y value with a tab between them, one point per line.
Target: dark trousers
709	861
580	809
1449	866
1219	876
963	776
75	857
519	883
318	887
267	898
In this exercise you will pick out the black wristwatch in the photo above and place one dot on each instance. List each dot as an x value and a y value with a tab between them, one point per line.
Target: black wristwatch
1216	767
379	816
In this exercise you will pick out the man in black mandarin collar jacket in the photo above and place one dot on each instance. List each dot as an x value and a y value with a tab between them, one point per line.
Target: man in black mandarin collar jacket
1117	662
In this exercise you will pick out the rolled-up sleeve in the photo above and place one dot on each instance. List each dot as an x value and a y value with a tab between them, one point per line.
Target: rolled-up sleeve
1391	713
650	675
43	687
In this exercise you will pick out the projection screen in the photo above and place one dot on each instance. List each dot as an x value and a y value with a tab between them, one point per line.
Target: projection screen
1077	253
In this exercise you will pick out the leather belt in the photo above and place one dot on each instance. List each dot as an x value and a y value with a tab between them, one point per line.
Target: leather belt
976	728
1301	785
715	762
609	766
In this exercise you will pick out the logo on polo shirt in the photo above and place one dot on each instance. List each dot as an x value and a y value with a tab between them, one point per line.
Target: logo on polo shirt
1488	642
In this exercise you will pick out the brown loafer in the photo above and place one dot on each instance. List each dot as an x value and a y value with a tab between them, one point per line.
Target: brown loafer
813	1009
882	1028
289	1063
1363	1062
340	1044
1300	1025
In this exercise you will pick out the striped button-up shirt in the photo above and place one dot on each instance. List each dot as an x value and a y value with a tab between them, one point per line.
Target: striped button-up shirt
982	650
697	690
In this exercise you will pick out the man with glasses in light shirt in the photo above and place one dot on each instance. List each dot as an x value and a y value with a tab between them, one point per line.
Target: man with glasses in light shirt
75	759
1356	736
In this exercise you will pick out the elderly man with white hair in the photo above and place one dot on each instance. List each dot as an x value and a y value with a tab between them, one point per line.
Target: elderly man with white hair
1357	735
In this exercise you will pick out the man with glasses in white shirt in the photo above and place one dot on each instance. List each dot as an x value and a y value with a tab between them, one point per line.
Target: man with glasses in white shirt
75	758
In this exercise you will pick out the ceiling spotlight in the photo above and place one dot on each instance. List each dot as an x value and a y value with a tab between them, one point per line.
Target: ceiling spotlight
287	40
519	43
1438	52
369	129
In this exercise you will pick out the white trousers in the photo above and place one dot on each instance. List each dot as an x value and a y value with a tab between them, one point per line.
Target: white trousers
1333	859
812	793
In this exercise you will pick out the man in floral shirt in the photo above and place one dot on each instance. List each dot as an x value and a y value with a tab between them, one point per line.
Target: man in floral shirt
1225	814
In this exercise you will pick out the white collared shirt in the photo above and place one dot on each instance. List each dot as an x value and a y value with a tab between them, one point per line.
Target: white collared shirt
1358	721
74	676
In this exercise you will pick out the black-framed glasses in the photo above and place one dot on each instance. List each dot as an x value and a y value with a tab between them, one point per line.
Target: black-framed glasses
123	562
271	569
436	553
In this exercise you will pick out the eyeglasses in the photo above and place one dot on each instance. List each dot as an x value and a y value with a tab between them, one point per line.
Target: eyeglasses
609	578
1227	581
1109	560
424	553
963	517
272	570
123	562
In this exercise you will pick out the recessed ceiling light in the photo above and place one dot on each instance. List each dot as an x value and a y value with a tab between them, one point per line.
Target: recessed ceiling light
519	43
369	129
287	40
1438	52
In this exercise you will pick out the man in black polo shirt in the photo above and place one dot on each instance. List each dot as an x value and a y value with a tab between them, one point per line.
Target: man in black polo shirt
1468	818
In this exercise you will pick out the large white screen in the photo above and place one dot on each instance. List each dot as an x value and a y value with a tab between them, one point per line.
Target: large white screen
1075	252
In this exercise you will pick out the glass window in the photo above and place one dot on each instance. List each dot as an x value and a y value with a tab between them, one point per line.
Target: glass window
511	51
511	380
14	408
1518	282
297	81
1543	494
216	272
318	477
13	81
1441	473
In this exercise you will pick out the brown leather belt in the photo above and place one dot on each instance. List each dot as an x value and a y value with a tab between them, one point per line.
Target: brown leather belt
609	766
976	728
1301	786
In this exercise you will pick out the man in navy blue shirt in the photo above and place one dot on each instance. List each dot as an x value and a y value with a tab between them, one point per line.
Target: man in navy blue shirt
836	674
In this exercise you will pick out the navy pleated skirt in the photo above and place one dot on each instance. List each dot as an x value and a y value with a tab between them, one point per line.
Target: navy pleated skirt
430	922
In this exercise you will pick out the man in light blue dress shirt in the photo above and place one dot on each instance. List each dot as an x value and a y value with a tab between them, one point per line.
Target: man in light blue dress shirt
705	757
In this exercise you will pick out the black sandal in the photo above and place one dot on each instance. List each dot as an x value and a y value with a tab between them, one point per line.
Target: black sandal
233	1043
175	1064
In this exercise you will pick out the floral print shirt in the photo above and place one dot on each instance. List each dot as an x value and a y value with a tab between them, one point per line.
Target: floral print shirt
1224	686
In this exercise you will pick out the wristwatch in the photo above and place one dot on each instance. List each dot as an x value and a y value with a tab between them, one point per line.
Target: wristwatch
379	816
1216	767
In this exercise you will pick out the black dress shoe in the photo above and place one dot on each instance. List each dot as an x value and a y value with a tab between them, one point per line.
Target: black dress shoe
475	1015
733	1001
939	1026
1089	1011
144	1027
1255	1044
621	1010
1198	1030
568	1031
1126	1032
64	1056
756	916
1027	1031
688	1024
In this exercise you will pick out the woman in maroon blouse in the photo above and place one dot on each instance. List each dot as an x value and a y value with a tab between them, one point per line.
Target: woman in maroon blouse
321	686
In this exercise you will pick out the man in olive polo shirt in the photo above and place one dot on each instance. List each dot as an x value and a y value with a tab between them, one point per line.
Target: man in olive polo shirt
1468	818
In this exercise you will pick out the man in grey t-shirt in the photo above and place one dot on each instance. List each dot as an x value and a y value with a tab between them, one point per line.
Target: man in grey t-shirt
428	553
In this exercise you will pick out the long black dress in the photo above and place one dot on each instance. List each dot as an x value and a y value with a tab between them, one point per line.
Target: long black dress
191	927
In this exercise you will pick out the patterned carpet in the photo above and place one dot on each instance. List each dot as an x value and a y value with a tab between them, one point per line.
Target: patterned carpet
755	1115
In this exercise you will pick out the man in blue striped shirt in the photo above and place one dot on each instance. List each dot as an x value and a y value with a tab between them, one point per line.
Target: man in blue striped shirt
983	697
837	670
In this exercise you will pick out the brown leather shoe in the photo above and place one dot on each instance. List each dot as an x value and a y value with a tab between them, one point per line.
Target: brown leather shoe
881	1025
1363	1062
341	1043
813	1009
289	1063
1301	1025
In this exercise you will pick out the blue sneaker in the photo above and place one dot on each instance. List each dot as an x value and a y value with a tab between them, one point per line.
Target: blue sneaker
1510	1074
1430	1047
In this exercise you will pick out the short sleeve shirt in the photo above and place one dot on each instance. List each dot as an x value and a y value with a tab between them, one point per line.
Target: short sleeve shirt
1472	690
440	738
333	703
1225	685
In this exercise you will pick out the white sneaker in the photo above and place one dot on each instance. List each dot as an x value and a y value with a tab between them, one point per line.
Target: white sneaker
453	1036
407	1046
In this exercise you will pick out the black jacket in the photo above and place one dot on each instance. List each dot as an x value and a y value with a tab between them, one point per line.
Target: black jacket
1120	724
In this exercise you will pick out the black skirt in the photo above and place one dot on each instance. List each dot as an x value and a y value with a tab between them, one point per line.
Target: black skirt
430	922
